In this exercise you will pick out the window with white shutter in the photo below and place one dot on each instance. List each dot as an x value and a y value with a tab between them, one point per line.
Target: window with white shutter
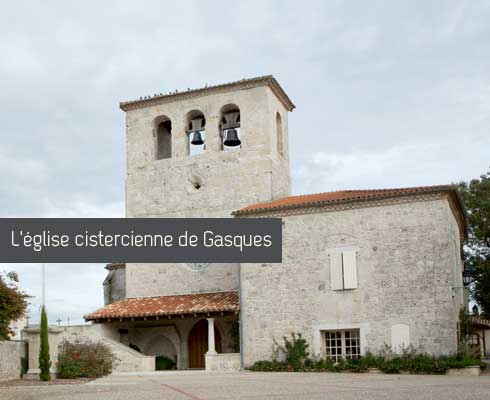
350	269
336	278
343	269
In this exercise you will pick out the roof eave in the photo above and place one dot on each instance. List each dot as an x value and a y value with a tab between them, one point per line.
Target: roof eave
142	317
338	201
268	80
441	189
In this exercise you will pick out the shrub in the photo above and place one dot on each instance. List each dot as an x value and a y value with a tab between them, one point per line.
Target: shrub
44	360
163	363
410	360
84	359
295	351
319	364
24	366
234	336
267	365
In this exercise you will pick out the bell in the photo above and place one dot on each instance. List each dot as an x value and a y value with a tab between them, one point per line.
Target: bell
197	139
232	138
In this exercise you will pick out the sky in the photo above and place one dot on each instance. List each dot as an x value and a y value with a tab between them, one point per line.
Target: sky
388	94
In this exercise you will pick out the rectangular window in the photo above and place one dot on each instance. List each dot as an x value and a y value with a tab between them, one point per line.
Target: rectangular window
343	269
343	344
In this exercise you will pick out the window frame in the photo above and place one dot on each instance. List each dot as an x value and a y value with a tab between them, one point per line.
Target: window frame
346	337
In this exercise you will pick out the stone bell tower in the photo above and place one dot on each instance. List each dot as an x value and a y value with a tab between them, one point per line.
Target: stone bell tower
207	152
203	153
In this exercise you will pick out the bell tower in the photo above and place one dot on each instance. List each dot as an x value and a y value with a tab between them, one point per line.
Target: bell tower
209	151
203	153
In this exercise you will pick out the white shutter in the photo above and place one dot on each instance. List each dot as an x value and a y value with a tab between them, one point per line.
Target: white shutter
350	269
336	281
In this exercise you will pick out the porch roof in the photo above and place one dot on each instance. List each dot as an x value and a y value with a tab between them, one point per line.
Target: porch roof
167	306
480	322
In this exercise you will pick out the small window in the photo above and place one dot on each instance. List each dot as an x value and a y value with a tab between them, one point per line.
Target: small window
343	269
344	344
164	140
279	135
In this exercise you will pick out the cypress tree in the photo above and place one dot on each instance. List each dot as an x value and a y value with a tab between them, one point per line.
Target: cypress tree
44	361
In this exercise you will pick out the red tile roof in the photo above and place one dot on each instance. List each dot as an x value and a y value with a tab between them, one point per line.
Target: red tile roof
311	200
198	303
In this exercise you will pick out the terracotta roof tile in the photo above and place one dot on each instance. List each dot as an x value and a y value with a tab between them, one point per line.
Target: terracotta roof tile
309	200
168	305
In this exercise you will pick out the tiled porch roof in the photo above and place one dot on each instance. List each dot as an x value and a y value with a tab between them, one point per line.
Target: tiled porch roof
165	306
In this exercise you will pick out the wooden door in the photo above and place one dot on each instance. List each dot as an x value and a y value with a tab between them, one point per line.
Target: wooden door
198	343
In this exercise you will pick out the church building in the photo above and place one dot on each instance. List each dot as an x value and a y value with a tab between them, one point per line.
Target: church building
361	268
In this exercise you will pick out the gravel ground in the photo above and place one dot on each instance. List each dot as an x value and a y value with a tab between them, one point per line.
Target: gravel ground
200	385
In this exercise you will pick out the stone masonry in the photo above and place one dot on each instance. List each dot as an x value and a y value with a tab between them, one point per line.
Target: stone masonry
398	249
212	184
409	272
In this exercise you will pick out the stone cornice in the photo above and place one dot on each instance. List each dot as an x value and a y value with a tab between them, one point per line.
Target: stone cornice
356	204
267	80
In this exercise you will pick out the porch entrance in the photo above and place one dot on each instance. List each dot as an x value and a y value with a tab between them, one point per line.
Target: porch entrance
198	343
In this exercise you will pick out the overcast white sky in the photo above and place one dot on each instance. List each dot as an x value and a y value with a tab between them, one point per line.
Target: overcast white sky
388	94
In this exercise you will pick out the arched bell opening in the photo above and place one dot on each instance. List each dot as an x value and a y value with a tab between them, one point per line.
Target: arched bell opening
230	127
196	133
163	137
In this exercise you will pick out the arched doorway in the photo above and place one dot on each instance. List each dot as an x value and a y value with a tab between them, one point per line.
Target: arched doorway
198	343
161	345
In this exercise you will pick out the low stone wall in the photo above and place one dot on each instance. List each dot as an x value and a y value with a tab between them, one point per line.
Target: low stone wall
126	359
223	362
11	352
129	360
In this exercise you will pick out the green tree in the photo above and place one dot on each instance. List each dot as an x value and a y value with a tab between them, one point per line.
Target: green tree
476	198
13	303
44	361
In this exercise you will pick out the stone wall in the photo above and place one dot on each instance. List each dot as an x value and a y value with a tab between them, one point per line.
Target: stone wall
11	352
126	359
149	337
223	362
213	184
115	285
408	269
164	337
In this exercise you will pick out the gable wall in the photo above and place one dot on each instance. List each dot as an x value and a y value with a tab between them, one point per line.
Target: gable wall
408	262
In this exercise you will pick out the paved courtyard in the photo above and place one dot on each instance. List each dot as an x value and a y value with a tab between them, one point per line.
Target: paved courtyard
195	385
